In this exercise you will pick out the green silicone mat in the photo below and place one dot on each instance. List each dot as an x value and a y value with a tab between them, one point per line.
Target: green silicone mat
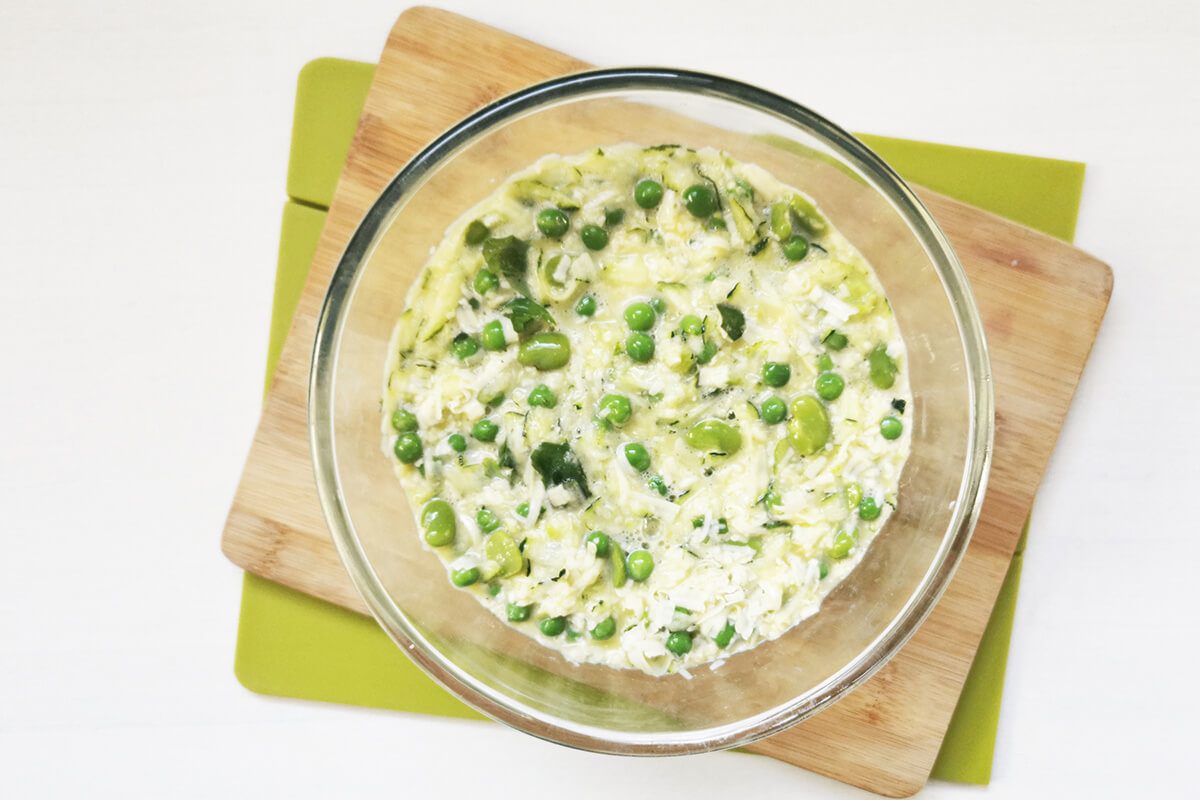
293	645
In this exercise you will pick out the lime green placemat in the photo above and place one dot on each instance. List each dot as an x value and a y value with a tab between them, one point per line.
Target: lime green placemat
329	98
292	645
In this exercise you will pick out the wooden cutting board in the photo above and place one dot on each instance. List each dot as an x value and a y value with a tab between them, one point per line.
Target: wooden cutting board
1042	302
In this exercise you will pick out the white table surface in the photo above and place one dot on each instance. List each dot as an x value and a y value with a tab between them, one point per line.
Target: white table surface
143	149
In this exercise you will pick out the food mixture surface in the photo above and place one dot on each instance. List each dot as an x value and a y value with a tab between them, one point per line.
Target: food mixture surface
649	406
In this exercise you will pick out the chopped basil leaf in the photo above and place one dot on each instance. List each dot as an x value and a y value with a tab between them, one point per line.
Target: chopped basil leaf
733	321
526	316
507	256
558	465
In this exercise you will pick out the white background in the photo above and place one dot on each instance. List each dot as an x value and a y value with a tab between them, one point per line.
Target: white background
143	149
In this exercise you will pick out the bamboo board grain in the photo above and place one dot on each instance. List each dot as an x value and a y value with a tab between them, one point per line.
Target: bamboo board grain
1042	301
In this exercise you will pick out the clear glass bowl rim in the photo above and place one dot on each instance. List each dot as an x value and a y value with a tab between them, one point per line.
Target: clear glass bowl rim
322	434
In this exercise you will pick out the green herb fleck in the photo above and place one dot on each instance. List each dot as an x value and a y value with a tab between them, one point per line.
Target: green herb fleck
506	457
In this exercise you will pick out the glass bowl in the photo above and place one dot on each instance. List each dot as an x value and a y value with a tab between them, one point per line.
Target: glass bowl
502	672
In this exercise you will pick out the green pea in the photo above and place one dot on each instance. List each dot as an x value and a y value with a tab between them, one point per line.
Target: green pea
843	543
648	193
776	374
809	428
640	564
493	588
464	346
523	509
408	447
714	436
505	553
542	397
493	336
545	351
824	363
700	200
836	341
553	626
485	281
488	520
882	367
594	237
437	518
725	636
829	386
891	428
404	420
639	316
605	629
615	408
552	222
823	572
476	233
614	216
464	577
781	220
586	306
680	643
637	456
715	223
795	248
457	442
640	347
600	543
656	483
691	325
616	557
868	509
516	613
707	352
774	411
485	430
